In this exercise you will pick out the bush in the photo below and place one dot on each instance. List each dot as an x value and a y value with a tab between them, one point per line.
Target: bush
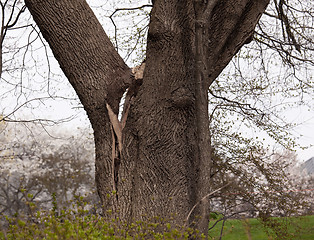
77	223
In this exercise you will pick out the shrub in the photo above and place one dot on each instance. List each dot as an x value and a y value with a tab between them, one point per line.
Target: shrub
78	223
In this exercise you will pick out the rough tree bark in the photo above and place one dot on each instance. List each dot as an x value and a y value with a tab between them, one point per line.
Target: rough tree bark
164	165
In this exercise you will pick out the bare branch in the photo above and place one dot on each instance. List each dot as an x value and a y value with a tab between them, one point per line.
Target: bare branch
200	201
123	9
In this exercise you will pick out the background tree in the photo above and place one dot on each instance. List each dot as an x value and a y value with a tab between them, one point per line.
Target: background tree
10	14
34	170
23	53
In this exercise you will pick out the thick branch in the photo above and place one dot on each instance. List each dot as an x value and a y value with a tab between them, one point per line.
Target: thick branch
231	25
83	50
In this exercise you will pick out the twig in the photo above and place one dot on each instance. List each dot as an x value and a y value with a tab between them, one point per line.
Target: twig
206	196
123	9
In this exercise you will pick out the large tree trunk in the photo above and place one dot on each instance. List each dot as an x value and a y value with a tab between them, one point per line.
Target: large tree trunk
164	166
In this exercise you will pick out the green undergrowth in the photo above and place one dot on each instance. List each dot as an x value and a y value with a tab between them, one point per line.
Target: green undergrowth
78	223
295	228
90	228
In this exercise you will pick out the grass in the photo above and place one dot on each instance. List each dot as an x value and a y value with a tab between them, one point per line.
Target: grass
300	228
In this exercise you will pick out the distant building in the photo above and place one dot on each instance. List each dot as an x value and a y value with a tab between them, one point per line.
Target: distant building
308	166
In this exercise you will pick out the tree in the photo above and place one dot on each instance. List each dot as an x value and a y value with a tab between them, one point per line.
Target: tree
157	160
9	17
38	173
